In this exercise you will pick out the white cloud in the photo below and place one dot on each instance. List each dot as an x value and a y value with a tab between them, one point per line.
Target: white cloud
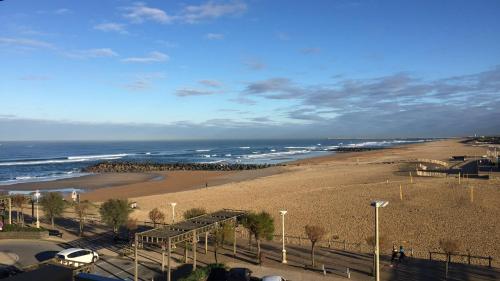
214	36
144	81
111	27
254	64
211	10
150	58
186	92
62	11
92	53
211	83
23	42
139	13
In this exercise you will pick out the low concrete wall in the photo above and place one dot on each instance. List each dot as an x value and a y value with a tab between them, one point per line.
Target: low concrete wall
24	234
431	174
437	162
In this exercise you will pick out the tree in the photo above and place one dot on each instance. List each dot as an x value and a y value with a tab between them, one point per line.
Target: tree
81	211
115	212
18	201
53	205
314	233
156	216
194	212
260	225
223	233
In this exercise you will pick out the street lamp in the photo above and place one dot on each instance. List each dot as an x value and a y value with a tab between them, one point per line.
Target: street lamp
377	204
37	196
283	213
173	211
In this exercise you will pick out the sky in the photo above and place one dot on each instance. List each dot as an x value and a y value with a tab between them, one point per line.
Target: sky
151	70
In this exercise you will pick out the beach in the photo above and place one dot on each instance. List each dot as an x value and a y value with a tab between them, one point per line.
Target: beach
334	192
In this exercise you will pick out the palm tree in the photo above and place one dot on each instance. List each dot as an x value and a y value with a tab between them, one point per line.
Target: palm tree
260	225
18	201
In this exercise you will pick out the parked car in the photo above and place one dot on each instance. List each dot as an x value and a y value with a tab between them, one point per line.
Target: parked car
78	255
273	278
239	274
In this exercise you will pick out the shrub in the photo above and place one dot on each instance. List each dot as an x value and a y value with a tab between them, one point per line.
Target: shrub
18	228
201	274
194	212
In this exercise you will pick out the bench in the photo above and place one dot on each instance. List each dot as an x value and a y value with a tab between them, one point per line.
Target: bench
55	232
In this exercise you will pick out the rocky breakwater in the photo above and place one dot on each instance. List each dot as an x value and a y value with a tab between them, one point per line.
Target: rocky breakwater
124	167
355	149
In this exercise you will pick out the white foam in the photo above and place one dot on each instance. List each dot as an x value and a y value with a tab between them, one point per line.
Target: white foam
203	150
276	154
70	159
245	147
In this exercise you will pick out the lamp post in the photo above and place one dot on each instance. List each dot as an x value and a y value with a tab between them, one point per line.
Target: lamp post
377	204
37	196
283	213
173	211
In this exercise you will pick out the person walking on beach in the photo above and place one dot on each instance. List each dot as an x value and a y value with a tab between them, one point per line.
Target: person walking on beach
401	254
394	253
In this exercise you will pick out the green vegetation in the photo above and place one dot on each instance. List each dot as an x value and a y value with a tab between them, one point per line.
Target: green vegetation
223	233
115	212
194	212
81	211
53	205
18	202
19	228
260	225
201	274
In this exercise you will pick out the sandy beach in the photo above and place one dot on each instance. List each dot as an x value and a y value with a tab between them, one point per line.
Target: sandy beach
335	192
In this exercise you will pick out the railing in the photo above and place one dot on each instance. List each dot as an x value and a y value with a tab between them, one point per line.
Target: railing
468	257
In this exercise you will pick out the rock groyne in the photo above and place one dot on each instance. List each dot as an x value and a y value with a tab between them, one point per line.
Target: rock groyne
124	167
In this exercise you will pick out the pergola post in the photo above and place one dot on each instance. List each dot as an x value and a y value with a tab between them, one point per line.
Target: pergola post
163	258
169	255
9	200
194	249
185	251
136	274
206	243
234	238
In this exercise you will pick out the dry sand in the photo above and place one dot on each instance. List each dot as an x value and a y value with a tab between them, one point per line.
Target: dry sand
335	192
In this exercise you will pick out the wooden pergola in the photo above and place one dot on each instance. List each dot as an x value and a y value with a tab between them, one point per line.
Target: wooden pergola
168	236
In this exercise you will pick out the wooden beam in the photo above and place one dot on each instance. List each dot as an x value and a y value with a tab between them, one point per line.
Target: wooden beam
136	274
195	243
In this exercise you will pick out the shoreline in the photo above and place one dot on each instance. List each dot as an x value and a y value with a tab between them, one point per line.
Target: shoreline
100	185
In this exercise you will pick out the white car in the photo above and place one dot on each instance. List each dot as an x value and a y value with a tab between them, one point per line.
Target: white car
77	256
273	278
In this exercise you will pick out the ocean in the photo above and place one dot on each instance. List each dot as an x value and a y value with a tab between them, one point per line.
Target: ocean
44	161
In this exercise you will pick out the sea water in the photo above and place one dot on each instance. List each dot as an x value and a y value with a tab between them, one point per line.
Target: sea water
45	161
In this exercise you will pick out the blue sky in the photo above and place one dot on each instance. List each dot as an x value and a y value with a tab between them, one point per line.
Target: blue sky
123	69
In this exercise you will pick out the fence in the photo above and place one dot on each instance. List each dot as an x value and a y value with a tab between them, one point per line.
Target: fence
437	162
462	257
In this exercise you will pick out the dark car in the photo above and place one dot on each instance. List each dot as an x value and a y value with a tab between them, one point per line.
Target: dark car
239	274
